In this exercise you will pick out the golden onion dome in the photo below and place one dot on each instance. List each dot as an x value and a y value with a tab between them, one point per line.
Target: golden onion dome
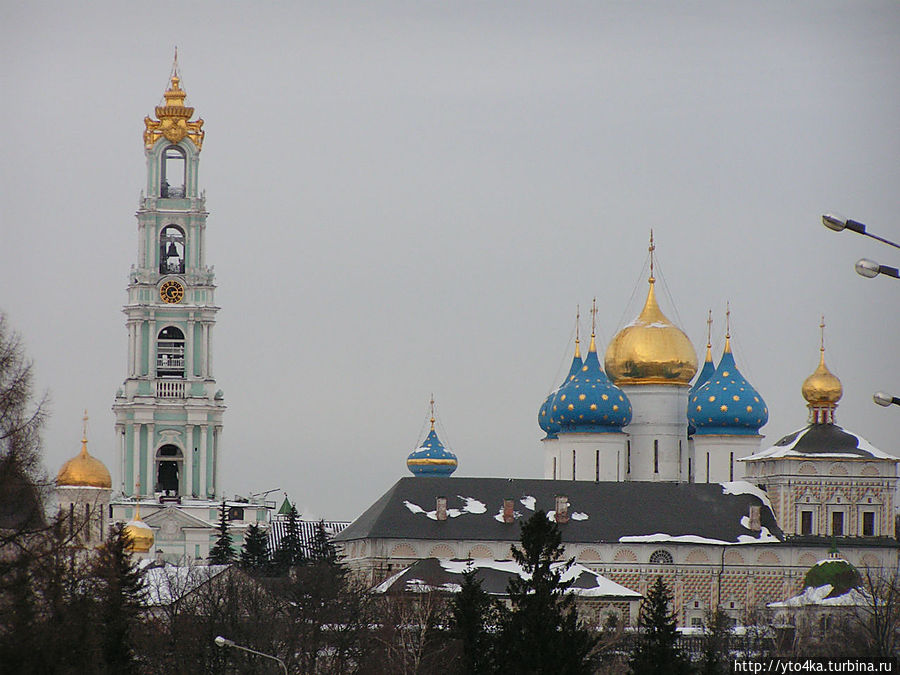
651	349
822	386
83	470
140	534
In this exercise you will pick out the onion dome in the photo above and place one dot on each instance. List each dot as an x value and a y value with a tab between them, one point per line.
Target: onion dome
140	534
834	571
822	390
651	349
431	458
84	470
708	366
727	404
589	401
546	420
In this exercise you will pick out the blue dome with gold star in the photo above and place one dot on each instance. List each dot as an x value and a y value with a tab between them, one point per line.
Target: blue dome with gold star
726	403
705	373
431	458
589	401
545	417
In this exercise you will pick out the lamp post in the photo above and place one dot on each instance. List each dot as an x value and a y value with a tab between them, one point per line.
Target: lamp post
838	224
870	269
225	642
885	399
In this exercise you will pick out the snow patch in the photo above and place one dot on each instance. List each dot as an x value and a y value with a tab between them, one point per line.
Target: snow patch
473	505
578	515
528	502
680	538
819	596
742	487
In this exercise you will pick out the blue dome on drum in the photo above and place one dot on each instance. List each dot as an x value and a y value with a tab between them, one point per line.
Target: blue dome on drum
546	421
431	458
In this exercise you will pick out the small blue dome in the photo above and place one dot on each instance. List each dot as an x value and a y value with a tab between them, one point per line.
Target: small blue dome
708	369
726	403
589	401
545	418
431	458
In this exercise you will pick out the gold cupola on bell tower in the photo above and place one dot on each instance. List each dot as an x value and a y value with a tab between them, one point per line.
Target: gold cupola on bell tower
173	118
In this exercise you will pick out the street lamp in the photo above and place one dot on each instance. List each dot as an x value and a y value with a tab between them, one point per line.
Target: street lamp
838	224
885	399
870	268
225	642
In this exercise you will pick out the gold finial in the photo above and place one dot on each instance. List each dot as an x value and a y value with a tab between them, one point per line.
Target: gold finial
593	347
173	117
84	421
432	411
651	249
577	331
709	336
822	335
727	327
137	488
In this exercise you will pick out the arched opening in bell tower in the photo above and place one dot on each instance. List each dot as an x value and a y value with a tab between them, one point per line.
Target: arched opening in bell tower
172	173
168	469
171	250
170	353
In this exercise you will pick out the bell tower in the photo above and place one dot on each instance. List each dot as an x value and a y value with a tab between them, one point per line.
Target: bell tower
169	409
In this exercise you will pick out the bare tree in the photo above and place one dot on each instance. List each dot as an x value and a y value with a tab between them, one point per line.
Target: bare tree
876	621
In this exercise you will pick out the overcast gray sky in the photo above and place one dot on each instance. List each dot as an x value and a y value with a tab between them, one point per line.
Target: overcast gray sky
413	197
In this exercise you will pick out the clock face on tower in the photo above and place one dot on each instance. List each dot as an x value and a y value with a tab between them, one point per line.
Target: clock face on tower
171	292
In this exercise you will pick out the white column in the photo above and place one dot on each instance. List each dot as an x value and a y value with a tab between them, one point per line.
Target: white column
217	440
151	455
151	349
132	349
135	456
120	441
206	369
189	461
209	350
189	349
204	459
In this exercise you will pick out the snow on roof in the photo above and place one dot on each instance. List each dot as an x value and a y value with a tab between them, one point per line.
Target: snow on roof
471	505
819	596
787	448
742	487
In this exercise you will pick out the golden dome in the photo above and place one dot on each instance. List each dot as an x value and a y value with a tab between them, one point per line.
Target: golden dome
173	119
83	470
822	386
651	349
141	535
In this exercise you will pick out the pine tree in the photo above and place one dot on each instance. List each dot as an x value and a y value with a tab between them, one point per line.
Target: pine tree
290	549
120	595
473	621
255	552
656	650
322	550
716	659
541	633
222	552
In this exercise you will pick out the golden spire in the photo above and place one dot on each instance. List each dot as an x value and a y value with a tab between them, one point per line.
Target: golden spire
432	411
709	336
593	347
173	117
577	331
651	249
727	327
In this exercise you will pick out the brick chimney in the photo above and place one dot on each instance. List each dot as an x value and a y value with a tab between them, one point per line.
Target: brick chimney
441	508
509	514
562	509
755	523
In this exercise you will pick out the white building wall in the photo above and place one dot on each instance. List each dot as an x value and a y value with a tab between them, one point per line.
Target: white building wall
658	431
716	457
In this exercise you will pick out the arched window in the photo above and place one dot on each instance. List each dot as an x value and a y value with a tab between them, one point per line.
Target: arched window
661	557
171	250
171	181
170	352
168	469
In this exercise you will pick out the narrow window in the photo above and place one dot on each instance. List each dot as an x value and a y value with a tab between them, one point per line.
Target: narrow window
806	522
655	456
837	523
690	469
679	455
628	457
707	467
730	466
868	524
573	465
597	466
554	468
171	180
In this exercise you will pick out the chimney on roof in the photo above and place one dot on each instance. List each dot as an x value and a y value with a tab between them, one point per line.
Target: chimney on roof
562	509
755	522
509	514
441	508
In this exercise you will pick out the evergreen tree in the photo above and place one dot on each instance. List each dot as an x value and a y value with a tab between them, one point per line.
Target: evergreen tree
120	594
716	659
222	552
473	620
655	650
322	550
255	552
290	549
541	633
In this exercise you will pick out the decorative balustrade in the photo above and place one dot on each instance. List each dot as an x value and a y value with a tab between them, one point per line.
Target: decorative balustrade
170	388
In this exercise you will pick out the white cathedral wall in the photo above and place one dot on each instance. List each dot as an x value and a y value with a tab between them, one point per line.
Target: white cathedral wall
586	456
716	457
658	427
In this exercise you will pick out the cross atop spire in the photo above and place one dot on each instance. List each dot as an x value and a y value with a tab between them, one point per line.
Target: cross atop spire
727	319
84	421
577	331
709	330
593	317
822	335
432	411
651	249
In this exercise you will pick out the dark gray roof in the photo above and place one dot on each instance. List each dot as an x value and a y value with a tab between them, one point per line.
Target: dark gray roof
612	510
306	530
825	439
